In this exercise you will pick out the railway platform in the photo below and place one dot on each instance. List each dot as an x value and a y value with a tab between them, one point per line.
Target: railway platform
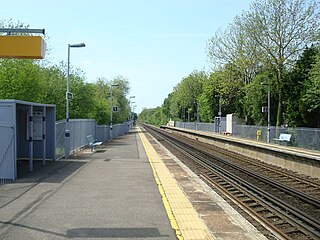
130	188
303	161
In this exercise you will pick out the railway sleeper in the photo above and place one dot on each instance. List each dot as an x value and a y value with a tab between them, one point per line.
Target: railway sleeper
254	205
278	222
291	230
235	192
230	188
258	208
270	215
247	200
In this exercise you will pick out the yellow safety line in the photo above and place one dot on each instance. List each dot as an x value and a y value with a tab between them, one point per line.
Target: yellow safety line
172	219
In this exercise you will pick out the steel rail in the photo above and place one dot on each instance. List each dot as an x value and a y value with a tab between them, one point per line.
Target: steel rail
241	183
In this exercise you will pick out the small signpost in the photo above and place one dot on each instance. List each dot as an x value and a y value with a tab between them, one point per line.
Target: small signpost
114	109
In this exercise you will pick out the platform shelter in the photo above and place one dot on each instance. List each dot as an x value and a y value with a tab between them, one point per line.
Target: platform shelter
27	132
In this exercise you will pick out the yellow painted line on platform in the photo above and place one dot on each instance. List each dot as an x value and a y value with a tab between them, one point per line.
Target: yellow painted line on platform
183	218
147	146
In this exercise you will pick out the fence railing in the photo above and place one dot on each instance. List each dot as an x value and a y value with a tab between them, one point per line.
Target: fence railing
308	138
207	127
7	173
81	128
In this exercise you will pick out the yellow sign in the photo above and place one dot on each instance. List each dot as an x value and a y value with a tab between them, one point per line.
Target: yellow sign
258	134
32	47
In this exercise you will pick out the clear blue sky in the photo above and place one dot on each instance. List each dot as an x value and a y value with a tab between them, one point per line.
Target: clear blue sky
154	44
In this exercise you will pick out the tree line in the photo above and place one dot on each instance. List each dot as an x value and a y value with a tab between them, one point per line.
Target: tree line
38	81
275	43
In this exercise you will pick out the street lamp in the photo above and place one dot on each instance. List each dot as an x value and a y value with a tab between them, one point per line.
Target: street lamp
69	97
268	110
219	113
130	114
111	108
131	104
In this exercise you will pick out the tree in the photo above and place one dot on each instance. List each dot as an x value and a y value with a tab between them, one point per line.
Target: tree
224	84
310	100
232	46
186	93
281	29
152	116
55	89
295	86
21	79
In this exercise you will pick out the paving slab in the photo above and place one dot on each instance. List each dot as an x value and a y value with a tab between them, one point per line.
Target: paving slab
110	194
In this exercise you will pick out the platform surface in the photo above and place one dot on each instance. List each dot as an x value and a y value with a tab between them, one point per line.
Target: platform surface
124	190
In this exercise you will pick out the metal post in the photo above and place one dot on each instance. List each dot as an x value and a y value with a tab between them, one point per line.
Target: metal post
268	134
130	109
44	135
111	109
30	126
220	113
198	119
67	131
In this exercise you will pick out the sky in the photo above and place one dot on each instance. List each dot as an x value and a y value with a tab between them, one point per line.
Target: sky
153	44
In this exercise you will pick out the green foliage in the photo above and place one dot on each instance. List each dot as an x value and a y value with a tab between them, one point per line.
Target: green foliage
20	78
34	81
297	84
54	90
310	101
182	103
26	80
153	116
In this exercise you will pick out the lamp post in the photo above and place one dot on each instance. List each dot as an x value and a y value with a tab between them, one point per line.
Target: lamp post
131	107
131	104
198	119
130	110
68	97
268	133
111	108
219	113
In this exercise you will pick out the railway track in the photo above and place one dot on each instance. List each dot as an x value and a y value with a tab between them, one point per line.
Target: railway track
283	202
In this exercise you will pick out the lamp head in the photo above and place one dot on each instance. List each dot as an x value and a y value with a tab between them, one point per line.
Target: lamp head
78	45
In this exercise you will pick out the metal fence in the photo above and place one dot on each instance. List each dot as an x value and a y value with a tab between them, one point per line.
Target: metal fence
207	127
7	166
81	128
103	131
308	138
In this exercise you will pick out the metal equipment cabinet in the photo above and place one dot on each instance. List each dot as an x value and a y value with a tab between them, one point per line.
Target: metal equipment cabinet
27	131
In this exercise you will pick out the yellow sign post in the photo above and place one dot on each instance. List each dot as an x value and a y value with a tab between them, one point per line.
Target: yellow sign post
258	134
32	47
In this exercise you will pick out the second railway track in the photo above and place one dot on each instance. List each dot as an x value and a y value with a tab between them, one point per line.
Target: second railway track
284	202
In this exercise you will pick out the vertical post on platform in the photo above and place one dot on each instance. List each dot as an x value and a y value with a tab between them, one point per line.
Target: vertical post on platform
68	96
268	110
44	137
111	109
219	113
30	131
